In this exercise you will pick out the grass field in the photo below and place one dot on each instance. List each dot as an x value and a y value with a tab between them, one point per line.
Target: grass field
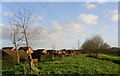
74	65
110	57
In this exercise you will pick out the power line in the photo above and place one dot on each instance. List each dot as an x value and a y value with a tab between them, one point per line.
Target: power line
24	8
54	14
8	7
51	13
56	17
48	24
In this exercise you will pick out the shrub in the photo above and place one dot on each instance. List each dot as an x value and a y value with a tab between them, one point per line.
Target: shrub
6	62
46	57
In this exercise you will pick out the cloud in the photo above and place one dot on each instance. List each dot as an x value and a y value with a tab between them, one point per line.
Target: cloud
105	27
68	26
7	14
100	1
37	18
108	12
90	6
5	31
88	18
111	11
73	27
1	25
114	11
113	14
114	17
59	33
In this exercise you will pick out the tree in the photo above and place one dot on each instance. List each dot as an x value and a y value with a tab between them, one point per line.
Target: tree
94	45
15	37
22	21
53	47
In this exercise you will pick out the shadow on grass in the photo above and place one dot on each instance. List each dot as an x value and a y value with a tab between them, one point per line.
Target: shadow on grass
114	61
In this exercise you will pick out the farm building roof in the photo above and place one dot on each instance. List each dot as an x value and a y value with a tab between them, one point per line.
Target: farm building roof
13	53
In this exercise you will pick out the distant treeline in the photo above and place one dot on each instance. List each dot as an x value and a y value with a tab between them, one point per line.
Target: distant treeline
110	51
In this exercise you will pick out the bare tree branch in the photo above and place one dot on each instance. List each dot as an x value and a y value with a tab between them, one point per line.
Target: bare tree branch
94	44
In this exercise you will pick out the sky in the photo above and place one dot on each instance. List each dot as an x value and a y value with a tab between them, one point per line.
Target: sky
62	24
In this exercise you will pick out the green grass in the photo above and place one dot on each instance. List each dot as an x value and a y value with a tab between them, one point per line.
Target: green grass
74	65
78	65
110	57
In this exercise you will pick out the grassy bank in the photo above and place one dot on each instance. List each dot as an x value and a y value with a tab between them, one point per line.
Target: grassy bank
110	57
